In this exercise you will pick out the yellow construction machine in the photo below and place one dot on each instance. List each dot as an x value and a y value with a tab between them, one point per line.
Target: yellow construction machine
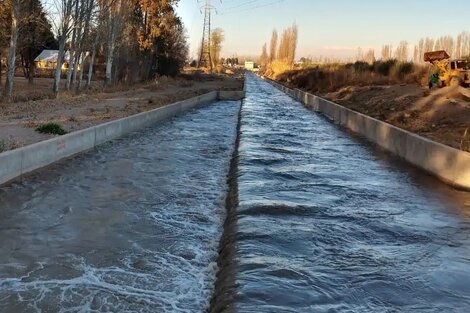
450	72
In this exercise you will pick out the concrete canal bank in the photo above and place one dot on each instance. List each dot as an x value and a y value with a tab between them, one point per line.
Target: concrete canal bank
24	160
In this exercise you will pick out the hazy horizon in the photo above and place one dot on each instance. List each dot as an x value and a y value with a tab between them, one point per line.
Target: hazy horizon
333	29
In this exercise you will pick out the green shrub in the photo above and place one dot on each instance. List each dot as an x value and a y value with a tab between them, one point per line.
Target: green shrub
51	128
361	66
384	67
3	146
401	69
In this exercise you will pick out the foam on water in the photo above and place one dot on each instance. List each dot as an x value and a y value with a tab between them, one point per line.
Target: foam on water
132	226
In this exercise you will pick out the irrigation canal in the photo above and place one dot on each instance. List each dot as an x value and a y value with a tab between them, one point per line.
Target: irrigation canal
322	222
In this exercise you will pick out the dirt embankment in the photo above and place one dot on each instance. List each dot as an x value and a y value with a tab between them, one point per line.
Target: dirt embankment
442	114
19	120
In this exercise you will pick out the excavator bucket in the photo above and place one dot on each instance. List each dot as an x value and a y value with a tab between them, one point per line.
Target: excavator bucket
436	56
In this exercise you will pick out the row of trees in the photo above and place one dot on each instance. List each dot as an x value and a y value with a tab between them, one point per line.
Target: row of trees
281	55
34	33
137	39
457	47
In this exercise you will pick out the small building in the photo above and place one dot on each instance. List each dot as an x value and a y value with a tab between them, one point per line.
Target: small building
249	65
47	60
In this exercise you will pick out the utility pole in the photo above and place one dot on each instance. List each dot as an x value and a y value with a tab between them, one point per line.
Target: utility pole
205	59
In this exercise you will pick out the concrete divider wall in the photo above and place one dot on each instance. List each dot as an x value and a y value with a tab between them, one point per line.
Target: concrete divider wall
29	158
448	164
232	94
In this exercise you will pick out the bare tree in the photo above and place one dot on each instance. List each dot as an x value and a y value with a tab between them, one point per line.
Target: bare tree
15	13
93	57
401	52
359	54
75	33
428	44
113	10
416	55
86	16
464	44
63	25
445	43
288	45
386	52
217	37
369	56
264	58
421	50
273	46
293	38
135	36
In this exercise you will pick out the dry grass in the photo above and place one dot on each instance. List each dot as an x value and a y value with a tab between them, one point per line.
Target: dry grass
10	144
18	121
333	77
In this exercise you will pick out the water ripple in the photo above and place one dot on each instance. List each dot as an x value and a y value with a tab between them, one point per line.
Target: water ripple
325	225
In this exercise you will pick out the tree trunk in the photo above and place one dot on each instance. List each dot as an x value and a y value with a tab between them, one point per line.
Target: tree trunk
76	64
70	62
32	72
109	59
60	60
12	50
114	28
31	63
25	67
92	62
86	14
80	75
73	46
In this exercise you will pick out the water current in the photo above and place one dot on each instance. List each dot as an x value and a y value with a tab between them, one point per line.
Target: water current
319	221
328	223
132	226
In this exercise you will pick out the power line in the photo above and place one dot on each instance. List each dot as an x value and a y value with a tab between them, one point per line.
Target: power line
242	4
251	8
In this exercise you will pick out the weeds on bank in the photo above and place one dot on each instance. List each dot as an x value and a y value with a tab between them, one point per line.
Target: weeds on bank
10	144
51	128
332	77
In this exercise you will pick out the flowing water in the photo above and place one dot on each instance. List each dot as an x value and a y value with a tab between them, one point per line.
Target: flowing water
327	224
324	223
132	226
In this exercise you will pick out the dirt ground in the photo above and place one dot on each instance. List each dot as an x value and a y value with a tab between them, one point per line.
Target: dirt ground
442	114
19	120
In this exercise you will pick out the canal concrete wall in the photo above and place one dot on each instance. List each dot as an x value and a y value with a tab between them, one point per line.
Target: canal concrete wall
448	164
18	162
232	94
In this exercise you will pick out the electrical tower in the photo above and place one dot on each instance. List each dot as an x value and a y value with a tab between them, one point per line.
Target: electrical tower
205	58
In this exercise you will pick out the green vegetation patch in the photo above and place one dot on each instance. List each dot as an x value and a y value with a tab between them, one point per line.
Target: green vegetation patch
3	146
51	128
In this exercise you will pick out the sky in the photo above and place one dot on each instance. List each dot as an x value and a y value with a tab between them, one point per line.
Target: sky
328	28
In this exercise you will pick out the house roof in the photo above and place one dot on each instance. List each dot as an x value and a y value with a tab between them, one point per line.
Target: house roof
50	56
